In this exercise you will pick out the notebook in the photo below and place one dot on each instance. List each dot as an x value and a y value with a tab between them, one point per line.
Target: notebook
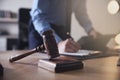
82	53
92	48
87	54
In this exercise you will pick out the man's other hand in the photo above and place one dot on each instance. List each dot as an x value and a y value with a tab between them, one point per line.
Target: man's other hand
94	34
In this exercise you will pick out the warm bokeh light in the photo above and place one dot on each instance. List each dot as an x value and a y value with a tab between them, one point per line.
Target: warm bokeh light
113	7
117	39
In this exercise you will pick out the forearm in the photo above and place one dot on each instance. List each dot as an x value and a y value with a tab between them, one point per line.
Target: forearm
82	16
40	17
41	25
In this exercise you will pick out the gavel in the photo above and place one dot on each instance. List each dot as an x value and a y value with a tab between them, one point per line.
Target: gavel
37	49
49	44
60	63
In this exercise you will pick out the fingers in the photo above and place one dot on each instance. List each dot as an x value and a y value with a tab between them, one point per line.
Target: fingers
71	46
68	46
74	44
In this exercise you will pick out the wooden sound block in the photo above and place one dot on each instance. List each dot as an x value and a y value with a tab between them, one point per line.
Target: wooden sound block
60	64
1	70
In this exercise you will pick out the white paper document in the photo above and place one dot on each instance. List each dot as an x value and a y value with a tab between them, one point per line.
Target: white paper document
81	53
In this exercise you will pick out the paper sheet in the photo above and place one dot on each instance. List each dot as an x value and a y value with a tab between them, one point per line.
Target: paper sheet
81	53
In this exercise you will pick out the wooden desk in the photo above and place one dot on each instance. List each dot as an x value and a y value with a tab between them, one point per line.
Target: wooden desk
26	69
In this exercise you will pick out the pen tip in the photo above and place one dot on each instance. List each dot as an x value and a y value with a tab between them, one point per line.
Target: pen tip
68	33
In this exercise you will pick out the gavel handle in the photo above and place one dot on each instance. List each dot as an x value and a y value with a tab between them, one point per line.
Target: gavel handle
15	58
37	49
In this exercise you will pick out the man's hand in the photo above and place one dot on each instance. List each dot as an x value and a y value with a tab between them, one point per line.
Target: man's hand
68	46
94	34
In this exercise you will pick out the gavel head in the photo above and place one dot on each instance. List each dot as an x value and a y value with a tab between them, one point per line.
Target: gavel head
50	44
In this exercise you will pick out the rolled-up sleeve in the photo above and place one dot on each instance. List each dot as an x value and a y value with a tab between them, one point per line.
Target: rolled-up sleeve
40	18
79	7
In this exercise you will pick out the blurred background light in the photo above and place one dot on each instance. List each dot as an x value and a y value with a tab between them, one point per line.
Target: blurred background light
113	7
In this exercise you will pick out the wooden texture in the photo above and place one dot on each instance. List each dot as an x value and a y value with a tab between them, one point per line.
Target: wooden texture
27	69
60	64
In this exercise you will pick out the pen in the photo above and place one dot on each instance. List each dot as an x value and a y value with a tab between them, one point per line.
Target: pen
69	36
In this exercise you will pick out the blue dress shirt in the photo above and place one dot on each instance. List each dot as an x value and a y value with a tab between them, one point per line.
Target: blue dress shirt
45	12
